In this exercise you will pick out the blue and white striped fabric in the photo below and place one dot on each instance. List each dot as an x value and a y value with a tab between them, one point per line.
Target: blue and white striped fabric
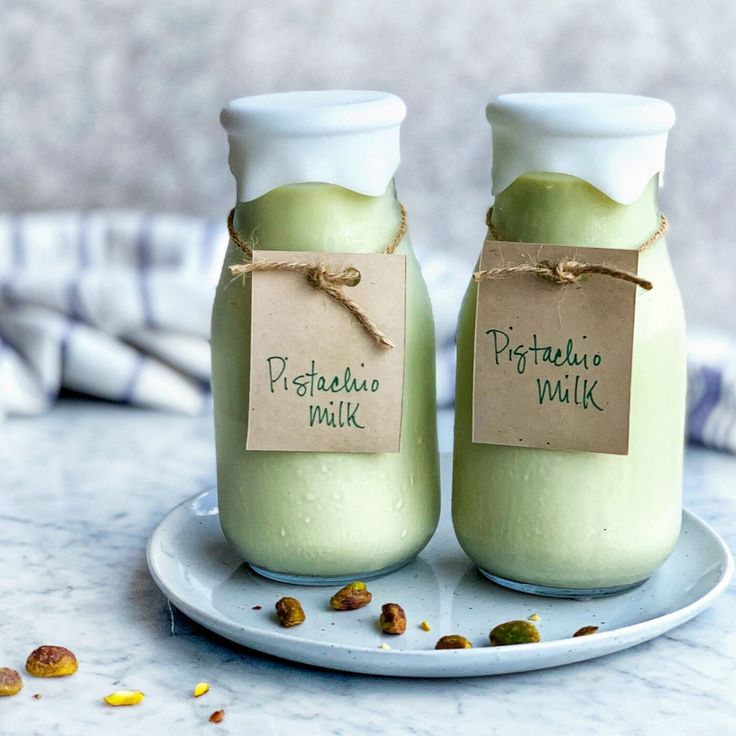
711	377
117	305
109	303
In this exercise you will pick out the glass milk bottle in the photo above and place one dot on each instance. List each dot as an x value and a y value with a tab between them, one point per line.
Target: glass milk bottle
314	172
580	169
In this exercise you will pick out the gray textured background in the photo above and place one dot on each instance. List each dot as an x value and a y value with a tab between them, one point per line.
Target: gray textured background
116	102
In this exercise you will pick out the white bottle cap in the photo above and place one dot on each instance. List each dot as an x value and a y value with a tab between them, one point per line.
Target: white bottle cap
615	142
345	137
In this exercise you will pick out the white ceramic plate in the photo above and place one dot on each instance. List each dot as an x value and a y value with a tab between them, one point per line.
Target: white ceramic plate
195	568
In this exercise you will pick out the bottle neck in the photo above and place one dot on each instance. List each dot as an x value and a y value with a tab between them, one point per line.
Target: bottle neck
320	217
562	209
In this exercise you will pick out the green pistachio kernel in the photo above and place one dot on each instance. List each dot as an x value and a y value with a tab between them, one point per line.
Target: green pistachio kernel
453	641
290	612
514	632
352	596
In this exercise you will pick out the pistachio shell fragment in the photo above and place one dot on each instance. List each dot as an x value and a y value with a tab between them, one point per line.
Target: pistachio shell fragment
534	617
51	661
514	632
353	596
290	612
586	631
392	619
124	697
200	689
217	716
453	641
11	683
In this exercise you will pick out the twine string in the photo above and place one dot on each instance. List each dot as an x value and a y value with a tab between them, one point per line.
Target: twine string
570	271
320	277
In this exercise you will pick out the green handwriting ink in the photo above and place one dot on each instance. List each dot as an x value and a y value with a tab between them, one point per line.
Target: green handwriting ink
519	355
312	382
273	380
582	392
343	416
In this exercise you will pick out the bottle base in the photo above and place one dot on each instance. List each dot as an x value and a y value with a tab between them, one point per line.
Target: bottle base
550	592
282	577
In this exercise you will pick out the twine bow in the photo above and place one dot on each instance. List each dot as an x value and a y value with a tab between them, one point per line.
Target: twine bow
569	271
563	272
320	277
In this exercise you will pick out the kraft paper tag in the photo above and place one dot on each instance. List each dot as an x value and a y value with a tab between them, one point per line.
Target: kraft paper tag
318	380
552	363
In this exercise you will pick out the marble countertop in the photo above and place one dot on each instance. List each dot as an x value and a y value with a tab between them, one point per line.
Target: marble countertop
82	488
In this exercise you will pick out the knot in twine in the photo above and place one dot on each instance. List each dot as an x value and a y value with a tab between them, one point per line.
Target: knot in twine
568	271
320	277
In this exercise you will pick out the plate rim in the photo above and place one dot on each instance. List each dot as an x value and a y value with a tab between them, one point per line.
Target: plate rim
652	627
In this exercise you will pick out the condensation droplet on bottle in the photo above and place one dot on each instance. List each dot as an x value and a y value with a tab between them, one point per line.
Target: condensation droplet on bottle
336	495
399	504
404	533
310	497
283	532
307	519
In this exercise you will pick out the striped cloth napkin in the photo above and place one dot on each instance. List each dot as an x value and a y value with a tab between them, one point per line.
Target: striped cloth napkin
116	304
108	303
711	383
